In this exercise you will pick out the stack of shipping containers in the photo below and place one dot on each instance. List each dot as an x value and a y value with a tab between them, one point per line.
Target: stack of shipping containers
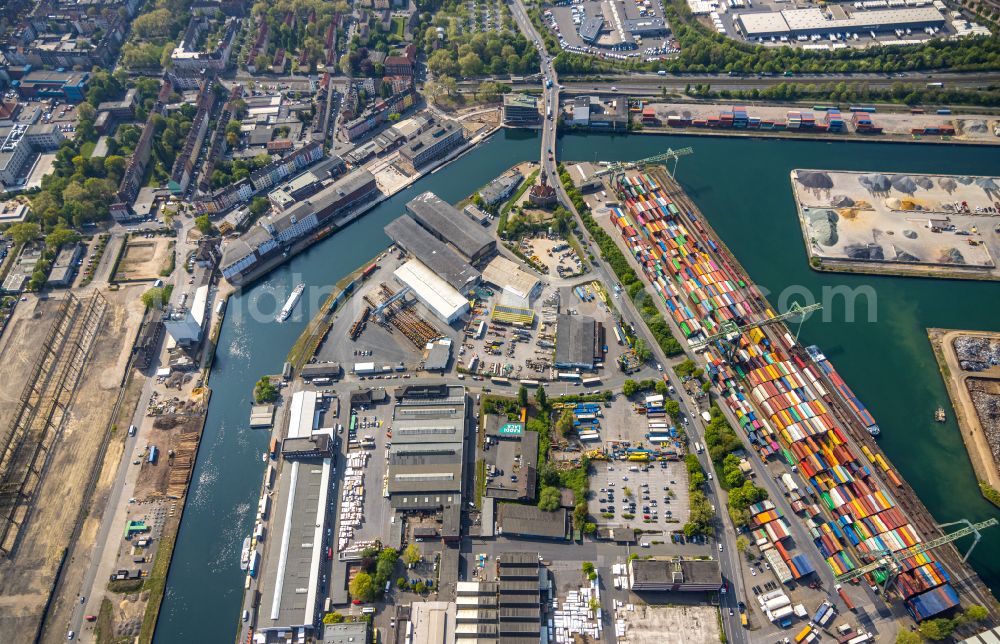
778	402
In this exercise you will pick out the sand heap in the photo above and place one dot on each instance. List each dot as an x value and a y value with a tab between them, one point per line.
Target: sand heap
823	224
814	180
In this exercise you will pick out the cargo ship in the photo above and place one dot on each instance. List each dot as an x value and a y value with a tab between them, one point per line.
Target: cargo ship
848	395
290	303
245	555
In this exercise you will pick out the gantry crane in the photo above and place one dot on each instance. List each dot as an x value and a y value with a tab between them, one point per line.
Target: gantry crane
617	168
730	331
892	562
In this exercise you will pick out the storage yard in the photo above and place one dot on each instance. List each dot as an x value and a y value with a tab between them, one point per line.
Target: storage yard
792	407
970	366
821	120
930	225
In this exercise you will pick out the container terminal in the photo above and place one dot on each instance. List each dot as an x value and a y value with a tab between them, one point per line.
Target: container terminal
866	522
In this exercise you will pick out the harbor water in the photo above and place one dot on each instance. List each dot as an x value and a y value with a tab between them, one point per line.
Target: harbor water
742	186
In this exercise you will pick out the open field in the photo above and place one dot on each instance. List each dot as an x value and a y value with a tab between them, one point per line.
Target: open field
73	442
144	258
931	225
967	360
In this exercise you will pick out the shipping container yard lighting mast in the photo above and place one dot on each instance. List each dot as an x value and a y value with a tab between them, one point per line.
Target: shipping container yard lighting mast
730	331
617	168
892	562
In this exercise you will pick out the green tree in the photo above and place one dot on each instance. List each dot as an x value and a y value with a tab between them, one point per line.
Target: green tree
401	583
589	528
642	350
522	396
937	629
548	499
411	554
673	409
661	387
541	398
204	225
629	387
259	206
976	613
264	391
742	543
420	588
565	423
24	232
59	236
908	637
153	298
333	618
362	587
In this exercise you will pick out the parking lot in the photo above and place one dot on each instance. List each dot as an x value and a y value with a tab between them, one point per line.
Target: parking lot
616	39
650	496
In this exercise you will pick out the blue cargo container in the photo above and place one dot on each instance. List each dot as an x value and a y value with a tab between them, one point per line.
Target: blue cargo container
932	603
152	454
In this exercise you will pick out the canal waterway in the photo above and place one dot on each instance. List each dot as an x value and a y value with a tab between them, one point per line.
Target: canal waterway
742	186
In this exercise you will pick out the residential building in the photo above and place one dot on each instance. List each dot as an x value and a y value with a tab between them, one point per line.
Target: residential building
431	145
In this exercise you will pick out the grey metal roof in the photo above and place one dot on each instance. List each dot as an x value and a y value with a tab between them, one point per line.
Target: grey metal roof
444	261
445	222
575	336
529	521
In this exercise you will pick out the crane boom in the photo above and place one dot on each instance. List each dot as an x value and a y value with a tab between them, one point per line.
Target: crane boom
890	561
730	328
616	168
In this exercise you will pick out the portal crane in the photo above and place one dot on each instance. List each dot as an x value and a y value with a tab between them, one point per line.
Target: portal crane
617	168
892	562
730	331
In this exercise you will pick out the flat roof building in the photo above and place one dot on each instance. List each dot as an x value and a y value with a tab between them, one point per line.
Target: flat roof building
289	582
518	520
442	259
445	222
520	109
591	28
795	22
426	459
346	633
676	575
506	275
432	144
433	622
576	337
432	291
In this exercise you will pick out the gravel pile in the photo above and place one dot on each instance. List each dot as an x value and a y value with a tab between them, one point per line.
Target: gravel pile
875	182
903	256
924	182
975	127
865	252
976	353
947	184
814	180
904	183
951	256
841	201
823	224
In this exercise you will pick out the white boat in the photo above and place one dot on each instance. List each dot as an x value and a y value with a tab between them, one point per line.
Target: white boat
290	303
245	555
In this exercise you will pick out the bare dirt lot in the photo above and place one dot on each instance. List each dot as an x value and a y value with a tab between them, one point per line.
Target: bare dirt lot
672	624
144	258
27	574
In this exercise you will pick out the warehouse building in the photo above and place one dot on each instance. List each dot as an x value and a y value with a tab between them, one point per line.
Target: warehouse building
501	188
431	145
508	610
507	276
432	291
520	109
576	342
426	459
591	28
836	19
675	575
443	260
445	222
516	520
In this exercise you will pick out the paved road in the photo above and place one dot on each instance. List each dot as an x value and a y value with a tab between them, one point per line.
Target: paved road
728	556
104	555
